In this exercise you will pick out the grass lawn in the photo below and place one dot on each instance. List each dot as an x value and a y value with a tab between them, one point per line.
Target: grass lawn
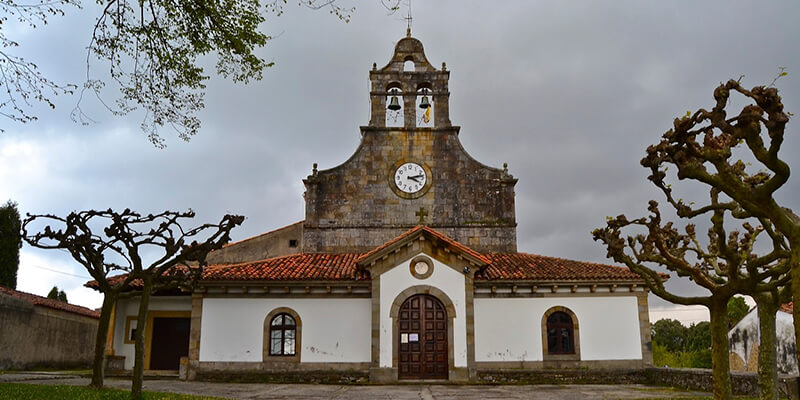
60	370
24	391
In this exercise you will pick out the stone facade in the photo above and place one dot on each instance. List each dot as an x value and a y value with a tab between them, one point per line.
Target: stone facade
280	242
355	207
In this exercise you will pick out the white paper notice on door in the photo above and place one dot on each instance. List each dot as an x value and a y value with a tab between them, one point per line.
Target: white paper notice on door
413	337
403	338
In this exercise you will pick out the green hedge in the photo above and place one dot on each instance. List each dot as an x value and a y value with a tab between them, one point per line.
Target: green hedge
681	359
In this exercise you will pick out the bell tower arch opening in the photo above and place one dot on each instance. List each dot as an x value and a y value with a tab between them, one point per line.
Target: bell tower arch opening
403	78
424	106
394	105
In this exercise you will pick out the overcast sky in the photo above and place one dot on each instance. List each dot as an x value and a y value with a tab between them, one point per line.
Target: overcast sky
569	94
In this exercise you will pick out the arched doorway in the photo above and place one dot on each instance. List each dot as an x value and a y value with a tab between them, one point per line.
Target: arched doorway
422	348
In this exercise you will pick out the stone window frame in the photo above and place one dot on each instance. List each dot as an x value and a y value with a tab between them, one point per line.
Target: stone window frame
546	356
449	307
298	336
421	258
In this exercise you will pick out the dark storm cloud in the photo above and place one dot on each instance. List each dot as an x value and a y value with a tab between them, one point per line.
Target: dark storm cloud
568	94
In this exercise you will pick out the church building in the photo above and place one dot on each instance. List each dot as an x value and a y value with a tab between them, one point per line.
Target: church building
405	267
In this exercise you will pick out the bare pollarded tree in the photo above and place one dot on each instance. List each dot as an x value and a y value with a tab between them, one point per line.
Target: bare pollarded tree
128	254
717	151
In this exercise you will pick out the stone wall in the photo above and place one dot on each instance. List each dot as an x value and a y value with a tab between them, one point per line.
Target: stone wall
564	376
326	373
35	336
744	383
353	207
280	242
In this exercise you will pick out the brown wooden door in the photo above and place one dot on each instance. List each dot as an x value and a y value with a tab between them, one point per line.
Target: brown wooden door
170	342
422	347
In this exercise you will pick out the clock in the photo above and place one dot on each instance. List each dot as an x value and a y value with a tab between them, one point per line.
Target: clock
410	178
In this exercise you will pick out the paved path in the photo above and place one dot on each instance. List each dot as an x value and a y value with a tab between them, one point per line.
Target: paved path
372	392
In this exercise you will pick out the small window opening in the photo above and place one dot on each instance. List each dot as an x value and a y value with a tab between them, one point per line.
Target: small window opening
292	242
408	66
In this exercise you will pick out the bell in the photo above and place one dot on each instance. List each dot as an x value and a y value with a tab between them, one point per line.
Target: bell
394	104
424	102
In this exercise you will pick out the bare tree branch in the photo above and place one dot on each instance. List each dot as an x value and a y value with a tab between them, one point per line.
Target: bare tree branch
21	82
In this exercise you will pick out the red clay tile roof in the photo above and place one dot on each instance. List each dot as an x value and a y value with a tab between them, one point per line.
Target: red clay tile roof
49	303
523	266
503	266
295	267
135	284
788	307
452	244
343	266
115	280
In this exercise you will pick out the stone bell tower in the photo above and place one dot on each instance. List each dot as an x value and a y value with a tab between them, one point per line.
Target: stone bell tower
410	169
409	74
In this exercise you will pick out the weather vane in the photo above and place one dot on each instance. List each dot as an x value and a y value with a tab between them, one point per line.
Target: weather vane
408	19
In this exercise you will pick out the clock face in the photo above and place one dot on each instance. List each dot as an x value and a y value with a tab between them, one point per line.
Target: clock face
410	177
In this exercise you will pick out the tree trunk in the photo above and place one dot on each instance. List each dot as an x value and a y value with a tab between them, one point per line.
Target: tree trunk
99	365
767	351
720	353
795	298
141	328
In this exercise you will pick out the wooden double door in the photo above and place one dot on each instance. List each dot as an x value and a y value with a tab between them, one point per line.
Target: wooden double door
422	348
170	342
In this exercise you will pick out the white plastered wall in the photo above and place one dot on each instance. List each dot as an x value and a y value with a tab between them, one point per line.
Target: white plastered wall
130	308
746	335
511	329
333	330
444	278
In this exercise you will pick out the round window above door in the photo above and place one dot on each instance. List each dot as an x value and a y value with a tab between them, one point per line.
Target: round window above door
421	267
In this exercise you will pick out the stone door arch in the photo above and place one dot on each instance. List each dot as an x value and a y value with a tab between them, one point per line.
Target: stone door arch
427	312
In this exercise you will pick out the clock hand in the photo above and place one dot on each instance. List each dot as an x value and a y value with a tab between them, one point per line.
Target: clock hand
415	178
